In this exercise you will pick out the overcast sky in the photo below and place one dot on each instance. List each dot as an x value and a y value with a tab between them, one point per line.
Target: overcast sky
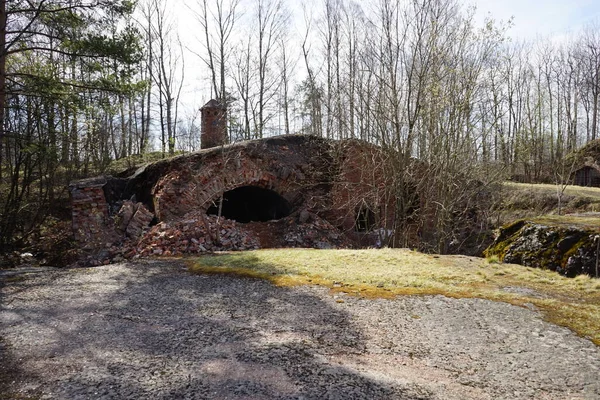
554	19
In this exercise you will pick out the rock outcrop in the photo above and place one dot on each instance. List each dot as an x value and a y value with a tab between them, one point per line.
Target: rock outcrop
567	244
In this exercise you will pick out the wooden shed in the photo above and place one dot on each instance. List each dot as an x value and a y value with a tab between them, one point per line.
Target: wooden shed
587	176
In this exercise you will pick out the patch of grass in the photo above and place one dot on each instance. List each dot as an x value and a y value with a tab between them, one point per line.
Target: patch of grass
137	160
585	222
592	193
14	278
493	260
527	200
387	273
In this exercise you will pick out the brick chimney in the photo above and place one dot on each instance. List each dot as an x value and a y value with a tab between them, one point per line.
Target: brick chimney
214	124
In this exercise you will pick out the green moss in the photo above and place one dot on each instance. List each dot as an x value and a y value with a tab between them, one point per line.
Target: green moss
509	230
558	239
506	235
574	249
137	160
13	279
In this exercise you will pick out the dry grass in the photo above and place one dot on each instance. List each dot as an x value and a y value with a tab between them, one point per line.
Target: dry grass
574	303
526	200
137	160
586	222
571	190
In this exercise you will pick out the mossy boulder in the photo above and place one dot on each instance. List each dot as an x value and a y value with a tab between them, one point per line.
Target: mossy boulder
568	245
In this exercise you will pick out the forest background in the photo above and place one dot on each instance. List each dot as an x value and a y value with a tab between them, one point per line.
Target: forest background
86	82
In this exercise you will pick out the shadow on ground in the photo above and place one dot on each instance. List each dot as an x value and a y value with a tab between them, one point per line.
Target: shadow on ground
151	330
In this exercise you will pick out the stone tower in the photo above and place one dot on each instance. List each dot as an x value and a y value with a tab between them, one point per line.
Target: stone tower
214	124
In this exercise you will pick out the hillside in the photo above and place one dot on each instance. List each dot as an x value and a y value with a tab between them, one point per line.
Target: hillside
527	200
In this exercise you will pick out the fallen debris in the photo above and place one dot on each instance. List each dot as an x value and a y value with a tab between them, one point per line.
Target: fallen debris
195	233
133	219
198	233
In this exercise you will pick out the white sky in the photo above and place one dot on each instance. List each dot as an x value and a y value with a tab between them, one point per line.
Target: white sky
545	18
554	19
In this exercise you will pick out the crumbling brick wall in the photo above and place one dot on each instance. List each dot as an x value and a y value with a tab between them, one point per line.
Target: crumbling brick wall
89	210
315	175
363	183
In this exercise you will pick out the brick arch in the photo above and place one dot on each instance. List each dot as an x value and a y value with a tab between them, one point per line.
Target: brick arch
225	183
176	194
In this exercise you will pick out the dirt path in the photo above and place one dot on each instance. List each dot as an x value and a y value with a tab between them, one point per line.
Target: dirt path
151	330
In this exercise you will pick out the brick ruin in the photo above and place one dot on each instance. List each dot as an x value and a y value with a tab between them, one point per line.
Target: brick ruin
89	209
287	191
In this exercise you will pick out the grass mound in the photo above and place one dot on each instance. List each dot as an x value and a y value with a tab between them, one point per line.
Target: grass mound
137	160
574	303
527	200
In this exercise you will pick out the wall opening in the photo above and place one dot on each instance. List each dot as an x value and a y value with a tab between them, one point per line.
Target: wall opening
365	219
251	203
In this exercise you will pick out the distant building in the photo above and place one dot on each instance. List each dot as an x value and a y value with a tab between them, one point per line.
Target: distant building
586	163
214	125
587	175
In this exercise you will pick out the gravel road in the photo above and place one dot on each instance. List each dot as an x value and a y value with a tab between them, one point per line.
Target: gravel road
150	330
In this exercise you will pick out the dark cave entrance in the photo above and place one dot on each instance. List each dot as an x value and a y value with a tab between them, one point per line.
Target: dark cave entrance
251	203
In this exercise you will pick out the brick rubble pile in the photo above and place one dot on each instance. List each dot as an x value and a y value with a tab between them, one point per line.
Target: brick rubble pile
195	233
133	218
314	232
199	233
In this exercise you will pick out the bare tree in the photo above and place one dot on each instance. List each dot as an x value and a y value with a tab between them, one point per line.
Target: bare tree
589	57
310	88
286	65
218	20
243	76
167	67
269	21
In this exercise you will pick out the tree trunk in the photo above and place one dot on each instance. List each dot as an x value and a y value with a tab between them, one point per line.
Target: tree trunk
2	79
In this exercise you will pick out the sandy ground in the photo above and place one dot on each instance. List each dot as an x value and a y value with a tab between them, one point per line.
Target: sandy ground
151	330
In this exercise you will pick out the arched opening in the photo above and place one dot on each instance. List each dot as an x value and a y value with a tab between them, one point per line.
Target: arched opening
365	219
251	203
